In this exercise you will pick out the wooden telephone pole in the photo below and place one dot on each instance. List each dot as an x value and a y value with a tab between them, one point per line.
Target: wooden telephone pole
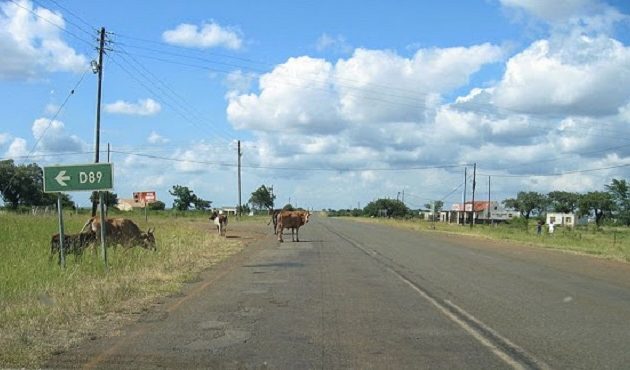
240	210
97	67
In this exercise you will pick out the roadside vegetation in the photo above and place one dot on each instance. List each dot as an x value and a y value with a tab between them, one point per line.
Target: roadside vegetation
44	308
611	242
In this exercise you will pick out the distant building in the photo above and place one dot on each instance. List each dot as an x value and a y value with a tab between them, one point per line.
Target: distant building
485	212
565	219
230	211
128	204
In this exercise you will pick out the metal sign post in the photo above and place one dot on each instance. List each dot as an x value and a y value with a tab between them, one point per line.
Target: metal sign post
101	200
62	253
146	197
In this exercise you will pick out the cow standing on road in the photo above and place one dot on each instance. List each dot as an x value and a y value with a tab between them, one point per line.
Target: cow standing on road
291	220
220	220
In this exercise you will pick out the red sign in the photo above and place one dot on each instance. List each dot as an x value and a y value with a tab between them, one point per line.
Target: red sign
145	196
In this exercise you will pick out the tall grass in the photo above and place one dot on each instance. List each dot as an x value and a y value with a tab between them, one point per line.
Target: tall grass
42	305
608	242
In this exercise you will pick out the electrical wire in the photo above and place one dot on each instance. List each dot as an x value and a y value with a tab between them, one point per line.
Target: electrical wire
50	122
226	164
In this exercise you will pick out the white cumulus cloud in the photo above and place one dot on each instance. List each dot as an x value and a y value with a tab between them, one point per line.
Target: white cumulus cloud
208	35
4	138
553	10
17	148
53	138
155	138
31	45
144	107
577	75
335	43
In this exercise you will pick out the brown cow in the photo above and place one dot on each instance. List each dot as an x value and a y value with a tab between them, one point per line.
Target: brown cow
123	231
291	220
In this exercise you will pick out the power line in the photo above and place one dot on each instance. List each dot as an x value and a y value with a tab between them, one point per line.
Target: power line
168	103
252	61
47	127
170	93
94	29
286	80
562	173
226	164
52	23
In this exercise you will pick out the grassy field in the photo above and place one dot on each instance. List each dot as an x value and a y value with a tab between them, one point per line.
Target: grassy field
44	308
607	242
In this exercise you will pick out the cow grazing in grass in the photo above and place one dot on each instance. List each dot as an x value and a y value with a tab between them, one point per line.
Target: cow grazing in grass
72	243
123	231
291	220
220	220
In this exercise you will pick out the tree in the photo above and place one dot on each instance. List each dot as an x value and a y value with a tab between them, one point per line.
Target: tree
184	197
51	199
110	198
23	185
528	203
262	198
598	202
438	205
158	205
392	207
620	193
243	210
288	207
201	204
563	201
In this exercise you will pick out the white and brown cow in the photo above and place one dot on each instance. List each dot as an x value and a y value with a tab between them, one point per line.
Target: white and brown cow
291	220
123	231
220	220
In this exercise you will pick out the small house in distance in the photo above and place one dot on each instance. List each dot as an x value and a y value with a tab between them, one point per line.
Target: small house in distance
127	205
565	219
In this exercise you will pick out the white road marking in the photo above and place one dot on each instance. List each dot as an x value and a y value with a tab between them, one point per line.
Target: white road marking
470	330
475	333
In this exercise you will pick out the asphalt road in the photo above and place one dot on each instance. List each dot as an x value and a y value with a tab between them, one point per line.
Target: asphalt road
354	295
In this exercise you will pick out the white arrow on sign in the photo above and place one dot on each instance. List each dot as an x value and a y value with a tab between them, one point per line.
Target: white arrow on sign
61	178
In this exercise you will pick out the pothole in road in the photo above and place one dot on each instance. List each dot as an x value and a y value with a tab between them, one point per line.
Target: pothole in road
231	337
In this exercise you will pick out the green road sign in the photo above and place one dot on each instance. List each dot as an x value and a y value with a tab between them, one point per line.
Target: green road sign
78	177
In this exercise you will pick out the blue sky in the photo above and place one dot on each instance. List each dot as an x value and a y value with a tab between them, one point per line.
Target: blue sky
335	102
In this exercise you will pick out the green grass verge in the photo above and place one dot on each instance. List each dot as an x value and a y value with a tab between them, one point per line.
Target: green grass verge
44	309
608	242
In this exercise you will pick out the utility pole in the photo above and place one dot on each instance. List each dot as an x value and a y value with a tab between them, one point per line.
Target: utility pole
239	179
474	183
489	219
108	151
403	196
97	67
464	197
